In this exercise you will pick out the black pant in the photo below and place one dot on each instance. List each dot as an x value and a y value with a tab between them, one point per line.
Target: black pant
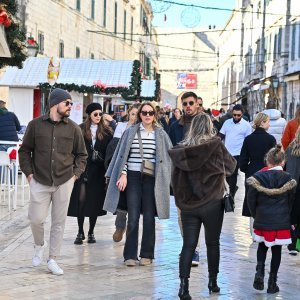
232	179
140	198
211	215
276	256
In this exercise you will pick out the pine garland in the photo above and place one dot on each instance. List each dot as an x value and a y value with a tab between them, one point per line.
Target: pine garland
15	37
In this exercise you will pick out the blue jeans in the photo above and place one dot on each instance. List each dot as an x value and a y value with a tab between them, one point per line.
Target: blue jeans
140	199
211	216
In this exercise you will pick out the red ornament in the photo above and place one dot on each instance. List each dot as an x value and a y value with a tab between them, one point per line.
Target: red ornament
4	19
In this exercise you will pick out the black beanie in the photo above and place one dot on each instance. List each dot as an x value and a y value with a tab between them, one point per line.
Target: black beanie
92	107
57	96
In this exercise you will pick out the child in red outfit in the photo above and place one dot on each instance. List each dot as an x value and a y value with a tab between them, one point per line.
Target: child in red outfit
270	199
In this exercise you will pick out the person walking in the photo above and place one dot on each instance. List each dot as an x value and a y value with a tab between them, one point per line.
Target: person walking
234	131
255	147
200	163
52	156
144	144
176	116
121	218
293	168
89	190
190	106
270	198
290	129
9	126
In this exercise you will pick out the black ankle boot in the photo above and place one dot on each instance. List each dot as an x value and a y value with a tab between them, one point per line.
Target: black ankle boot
258	283
272	284
80	237
212	284
91	238
184	289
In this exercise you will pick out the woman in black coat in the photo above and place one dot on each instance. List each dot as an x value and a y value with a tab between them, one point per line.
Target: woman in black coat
255	147
89	190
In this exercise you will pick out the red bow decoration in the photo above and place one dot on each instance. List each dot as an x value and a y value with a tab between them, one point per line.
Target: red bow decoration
31	41
4	19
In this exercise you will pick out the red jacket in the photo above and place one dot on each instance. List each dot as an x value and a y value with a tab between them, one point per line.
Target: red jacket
289	132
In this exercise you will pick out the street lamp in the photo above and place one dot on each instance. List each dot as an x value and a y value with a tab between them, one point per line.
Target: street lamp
275	84
32	47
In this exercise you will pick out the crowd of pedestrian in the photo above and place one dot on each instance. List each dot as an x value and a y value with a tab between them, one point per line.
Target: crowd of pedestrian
131	168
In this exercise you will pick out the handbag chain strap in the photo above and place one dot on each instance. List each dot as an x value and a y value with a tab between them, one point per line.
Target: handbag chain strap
140	143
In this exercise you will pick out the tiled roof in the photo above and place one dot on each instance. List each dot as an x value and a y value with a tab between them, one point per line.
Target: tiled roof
76	71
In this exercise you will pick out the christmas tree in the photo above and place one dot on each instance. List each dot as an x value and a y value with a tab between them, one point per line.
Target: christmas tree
14	34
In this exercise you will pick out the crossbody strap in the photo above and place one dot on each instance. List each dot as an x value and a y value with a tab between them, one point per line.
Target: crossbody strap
140	143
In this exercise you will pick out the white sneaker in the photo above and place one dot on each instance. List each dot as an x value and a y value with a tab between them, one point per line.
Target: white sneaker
54	268
38	254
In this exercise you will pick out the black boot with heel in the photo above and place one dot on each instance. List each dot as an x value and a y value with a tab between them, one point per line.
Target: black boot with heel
184	289
272	284
212	284
258	283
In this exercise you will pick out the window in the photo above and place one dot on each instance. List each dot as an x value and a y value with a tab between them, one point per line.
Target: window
104	13
279	41
92	56
77	52
61	49
41	42
125	17
293	49
78	5
93	9
116	18
131	34
275	47
270	47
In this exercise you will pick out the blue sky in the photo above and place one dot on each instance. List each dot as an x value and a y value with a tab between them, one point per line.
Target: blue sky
207	16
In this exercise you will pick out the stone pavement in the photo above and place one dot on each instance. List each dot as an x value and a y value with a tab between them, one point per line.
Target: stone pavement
97	271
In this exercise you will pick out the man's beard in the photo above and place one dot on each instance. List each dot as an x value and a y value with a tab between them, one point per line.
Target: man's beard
236	121
63	113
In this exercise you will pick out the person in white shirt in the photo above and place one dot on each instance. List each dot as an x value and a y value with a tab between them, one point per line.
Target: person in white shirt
234	131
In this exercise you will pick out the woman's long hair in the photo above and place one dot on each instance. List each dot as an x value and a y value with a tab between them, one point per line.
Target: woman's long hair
101	132
201	130
295	144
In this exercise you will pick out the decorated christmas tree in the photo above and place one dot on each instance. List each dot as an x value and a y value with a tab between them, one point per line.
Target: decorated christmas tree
14	34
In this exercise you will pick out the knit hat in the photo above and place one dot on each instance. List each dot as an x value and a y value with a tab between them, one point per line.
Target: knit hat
92	107
58	95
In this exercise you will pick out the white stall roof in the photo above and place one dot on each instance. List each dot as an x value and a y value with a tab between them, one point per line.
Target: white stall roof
148	88
72	71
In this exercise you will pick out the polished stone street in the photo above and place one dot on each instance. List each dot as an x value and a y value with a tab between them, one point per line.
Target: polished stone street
97	271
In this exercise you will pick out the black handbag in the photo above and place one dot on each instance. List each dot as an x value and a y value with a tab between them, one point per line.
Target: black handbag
228	200
96	157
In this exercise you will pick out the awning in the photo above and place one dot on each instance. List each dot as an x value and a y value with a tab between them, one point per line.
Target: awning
292	76
4	49
260	87
112	73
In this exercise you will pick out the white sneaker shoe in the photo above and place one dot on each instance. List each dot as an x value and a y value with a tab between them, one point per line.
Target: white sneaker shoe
38	254
54	268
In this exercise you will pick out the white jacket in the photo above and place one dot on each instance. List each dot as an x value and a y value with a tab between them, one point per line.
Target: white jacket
277	123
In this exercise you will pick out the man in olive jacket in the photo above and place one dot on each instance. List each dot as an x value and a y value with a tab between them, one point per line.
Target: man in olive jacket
52	156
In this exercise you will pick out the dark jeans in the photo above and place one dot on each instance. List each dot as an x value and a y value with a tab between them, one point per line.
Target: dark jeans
211	215
232	179
140	199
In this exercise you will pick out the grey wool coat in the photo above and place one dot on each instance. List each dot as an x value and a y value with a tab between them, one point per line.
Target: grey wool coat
162	171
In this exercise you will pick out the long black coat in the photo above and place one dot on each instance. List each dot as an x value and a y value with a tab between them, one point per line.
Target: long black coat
95	185
254	149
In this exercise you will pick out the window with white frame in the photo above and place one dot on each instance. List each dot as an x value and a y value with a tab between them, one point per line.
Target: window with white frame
293	42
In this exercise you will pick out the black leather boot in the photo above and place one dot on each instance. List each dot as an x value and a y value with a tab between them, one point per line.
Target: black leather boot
258	283
184	289
272	284
212	284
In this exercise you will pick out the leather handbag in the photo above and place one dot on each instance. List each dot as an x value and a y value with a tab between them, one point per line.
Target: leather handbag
96	157
147	166
228	200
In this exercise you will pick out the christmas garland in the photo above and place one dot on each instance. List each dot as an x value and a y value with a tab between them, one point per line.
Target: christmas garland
14	35
133	92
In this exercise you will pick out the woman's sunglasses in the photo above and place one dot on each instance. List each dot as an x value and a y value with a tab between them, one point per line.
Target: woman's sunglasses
190	103
145	113
97	114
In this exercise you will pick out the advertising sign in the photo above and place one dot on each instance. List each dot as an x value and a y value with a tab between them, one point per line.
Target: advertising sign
186	81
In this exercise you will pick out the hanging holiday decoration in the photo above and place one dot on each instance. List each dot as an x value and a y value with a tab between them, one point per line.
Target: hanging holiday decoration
53	70
159	6
190	17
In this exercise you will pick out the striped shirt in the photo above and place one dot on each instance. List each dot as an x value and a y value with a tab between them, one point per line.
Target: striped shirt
148	141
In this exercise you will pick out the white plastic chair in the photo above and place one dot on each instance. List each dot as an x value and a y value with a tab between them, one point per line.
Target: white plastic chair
7	187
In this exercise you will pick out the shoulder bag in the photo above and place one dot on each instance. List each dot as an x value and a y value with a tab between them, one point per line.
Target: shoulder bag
228	201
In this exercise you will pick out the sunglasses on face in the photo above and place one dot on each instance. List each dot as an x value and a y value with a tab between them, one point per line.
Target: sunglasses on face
190	103
237	115
146	113
67	103
98	114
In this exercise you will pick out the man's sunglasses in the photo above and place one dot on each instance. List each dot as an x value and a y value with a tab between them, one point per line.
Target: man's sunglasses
98	114
190	103
145	113
237	115
67	103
